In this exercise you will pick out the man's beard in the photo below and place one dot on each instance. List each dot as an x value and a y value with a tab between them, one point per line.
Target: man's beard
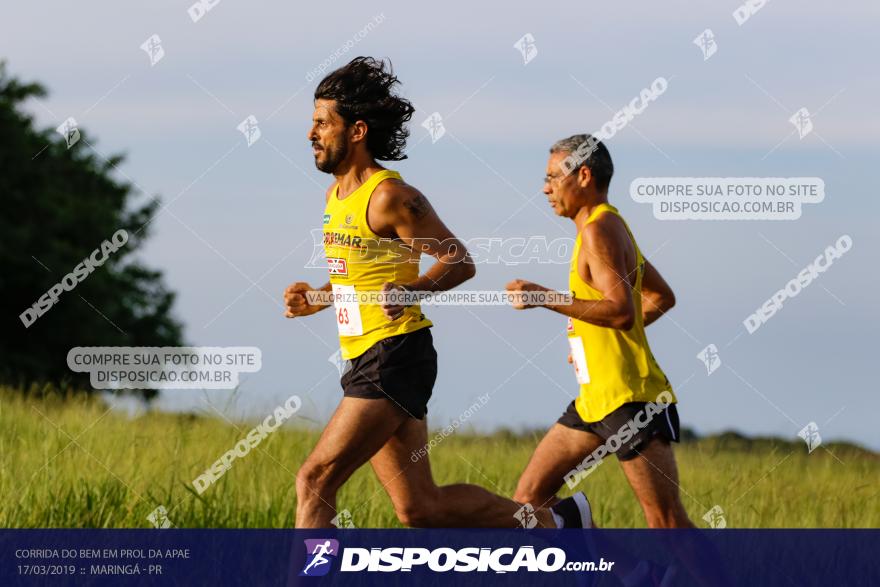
333	157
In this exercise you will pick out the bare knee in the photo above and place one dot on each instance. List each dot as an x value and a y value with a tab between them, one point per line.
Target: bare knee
316	480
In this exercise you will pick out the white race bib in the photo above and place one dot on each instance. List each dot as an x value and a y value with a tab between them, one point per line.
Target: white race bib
579	359
348	311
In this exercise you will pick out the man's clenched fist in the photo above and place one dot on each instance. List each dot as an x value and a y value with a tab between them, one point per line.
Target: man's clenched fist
391	310
295	301
519	290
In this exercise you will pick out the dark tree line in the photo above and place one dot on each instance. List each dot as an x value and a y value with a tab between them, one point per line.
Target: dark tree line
59	205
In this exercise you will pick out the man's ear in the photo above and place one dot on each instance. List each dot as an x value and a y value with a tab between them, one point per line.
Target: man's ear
584	176
358	131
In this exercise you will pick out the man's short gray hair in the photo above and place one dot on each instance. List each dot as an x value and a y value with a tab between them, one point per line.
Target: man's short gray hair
586	150
569	145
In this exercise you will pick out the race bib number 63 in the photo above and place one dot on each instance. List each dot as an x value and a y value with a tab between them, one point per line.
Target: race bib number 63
348	311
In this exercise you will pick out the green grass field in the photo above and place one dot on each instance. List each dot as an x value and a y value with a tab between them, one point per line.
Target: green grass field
73	464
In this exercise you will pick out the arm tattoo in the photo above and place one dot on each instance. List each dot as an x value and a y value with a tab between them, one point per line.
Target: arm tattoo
417	206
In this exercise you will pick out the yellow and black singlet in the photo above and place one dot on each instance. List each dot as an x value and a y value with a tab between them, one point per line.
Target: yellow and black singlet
612	366
360	262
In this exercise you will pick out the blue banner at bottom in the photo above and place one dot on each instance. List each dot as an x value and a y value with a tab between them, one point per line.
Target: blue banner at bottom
437	557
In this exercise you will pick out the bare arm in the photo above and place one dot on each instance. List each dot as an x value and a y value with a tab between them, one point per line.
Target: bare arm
296	301
603	245
401	211
657	296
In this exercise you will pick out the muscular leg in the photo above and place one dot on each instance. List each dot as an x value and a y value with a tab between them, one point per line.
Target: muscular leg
358	429
653	477
419	502
560	451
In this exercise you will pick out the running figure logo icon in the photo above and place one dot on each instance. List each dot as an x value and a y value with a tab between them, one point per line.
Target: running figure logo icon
249	127
318	562
801	121
810	434
70	131
706	43
527	48
715	518
153	48
434	126
526	516
710	358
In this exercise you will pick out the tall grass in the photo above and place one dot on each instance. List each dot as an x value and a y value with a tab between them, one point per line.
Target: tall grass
75	464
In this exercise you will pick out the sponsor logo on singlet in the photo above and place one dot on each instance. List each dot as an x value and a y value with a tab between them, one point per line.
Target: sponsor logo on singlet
349	218
337	266
342	239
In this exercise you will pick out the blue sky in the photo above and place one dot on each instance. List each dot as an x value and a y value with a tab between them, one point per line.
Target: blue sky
237	228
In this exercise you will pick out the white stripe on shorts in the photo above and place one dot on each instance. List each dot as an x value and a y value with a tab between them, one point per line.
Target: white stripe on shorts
671	429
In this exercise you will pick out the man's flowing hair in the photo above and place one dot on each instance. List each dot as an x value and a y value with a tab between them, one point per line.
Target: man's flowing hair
363	90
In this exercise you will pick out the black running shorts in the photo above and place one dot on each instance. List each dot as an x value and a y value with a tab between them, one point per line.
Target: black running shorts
664	424
401	369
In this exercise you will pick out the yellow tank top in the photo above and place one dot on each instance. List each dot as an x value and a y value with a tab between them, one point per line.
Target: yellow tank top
612	366
360	262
